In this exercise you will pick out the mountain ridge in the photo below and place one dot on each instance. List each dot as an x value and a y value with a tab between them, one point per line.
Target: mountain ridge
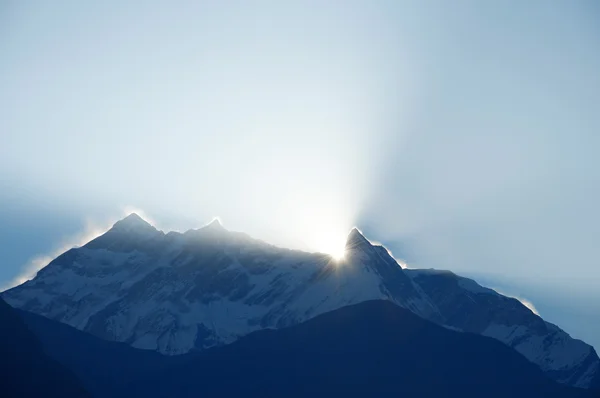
180	292
25	369
372	348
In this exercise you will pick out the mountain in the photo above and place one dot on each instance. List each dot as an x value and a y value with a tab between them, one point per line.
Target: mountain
467	306
178	292
181	292
104	367
25	370
374	348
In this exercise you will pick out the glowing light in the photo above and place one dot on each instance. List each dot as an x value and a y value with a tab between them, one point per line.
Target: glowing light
315	222
338	255
335	247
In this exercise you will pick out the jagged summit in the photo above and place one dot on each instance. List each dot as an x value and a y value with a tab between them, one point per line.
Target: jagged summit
123	233
210	286
212	229
131	222
355	239
215	224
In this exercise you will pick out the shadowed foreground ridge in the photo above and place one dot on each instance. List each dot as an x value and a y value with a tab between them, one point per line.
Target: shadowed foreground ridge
25	370
370	349
374	348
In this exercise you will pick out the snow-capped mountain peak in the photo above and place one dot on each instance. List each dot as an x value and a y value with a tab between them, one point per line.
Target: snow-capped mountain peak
356	240
215	224
179	292
214	228
130	233
132	223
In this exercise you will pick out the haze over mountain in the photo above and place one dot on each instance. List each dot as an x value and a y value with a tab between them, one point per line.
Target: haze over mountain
461	136
182	292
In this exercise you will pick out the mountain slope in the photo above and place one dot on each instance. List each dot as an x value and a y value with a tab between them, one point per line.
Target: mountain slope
467	306
178	292
181	292
25	370
104	367
370	349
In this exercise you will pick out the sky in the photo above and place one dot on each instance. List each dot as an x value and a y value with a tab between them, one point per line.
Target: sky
462	135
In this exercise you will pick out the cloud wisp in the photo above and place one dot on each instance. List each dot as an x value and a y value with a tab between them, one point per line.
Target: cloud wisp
29	270
91	230
523	301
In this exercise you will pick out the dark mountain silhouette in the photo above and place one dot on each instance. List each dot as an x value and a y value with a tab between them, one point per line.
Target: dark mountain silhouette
105	367
374	348
25	370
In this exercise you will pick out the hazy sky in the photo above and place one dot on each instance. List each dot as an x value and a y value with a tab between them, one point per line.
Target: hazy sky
463	135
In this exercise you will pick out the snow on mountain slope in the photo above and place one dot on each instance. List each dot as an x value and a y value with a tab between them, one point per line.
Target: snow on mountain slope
467	306
177	292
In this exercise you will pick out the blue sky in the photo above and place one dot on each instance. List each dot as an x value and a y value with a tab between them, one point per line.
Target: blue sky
463	136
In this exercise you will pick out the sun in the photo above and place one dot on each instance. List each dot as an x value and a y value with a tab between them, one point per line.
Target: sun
338	255
325	235
336	248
